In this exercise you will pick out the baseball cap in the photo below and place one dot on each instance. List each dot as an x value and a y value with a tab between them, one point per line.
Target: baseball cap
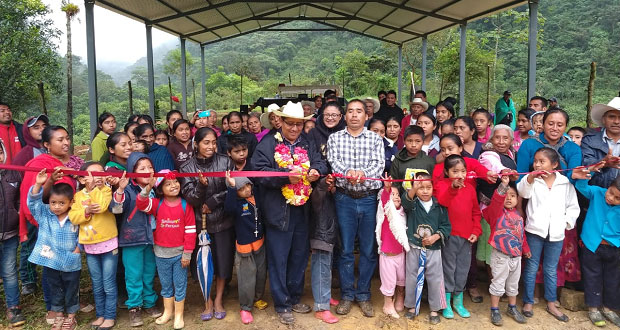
33	120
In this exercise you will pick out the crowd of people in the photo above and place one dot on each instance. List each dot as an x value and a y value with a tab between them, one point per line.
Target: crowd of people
423	196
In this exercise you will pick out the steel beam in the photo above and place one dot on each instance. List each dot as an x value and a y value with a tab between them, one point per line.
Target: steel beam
91	60
150	70
203	77
462	69
532	51
424	63
183	79
400	74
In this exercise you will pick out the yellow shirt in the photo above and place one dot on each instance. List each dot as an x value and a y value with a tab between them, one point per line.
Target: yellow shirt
98	227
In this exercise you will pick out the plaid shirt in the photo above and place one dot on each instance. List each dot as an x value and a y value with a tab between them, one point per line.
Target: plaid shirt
364	152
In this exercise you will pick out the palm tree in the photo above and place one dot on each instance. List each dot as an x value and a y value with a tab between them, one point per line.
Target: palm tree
71	10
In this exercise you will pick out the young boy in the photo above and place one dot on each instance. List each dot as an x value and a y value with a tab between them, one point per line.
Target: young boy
509	245
9	239
576	133
238	152
250	258
428	226
57	249
599	259
411	157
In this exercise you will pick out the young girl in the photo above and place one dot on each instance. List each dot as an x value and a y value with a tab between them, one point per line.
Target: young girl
447	127
392	132
391	231
431	141
175	238
459	197
161	137
509	245
444	111
428	227
465	128
552	209
451	145
391	149
98	234
523	127
482	119
106	125
537	123
57	249
120	147
136	241
180	145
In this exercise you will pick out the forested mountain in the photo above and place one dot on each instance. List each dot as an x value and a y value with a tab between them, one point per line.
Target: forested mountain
572	35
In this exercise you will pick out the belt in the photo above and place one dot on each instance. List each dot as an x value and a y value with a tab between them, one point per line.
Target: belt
358	194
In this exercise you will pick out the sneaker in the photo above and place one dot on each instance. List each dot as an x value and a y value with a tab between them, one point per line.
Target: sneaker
496	317
516	315
28	289
333	302
326	316
15	317
612	316
69	323
434	319
246	317
301	308
286	318
597	318
153	312
344	307
366	308
135	317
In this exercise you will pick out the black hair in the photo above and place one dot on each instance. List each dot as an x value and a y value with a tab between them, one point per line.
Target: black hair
381	92
356	100
451	161
470	123
413	130
484	112
114	139
552	111
393	119
447	105
317	97
422	175
616	183
543	100
85	167
225	117
454	138
172	112
48	132
551	154
133	119
145	144
129	125
233	114
420	92
577	128
235	141
429	116
62	189
374	120
148	118
328	93
138	131
391	91
334	104
5	104
527	112
162	132
448	122
202	133
178	123
450	100
244	114
102	117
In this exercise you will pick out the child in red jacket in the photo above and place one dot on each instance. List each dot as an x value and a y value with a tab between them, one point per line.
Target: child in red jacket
509	245
175	238
459	197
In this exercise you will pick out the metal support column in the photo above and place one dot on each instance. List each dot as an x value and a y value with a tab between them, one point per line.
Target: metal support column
532	51
462	69
92	65
203	76
151	71
400	74
183	79
424	51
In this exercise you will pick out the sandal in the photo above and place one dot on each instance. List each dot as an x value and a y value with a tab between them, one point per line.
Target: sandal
562	317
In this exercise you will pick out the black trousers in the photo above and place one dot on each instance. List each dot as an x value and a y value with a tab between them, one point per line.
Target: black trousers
601	276
64	290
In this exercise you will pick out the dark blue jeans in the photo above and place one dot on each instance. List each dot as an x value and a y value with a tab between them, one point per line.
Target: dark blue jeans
102	268
28	270
552	251
601	274
321	270
64	290
287	258
357	219
8	268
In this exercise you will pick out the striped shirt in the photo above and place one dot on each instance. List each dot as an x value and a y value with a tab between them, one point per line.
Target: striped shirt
364	152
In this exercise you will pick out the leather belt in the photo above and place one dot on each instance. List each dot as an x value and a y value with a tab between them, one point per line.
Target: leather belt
358	194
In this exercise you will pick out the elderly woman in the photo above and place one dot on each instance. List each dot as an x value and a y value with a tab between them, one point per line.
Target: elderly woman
255	127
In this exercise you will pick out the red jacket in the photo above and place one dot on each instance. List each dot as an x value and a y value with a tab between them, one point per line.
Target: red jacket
462	205
10	137
507	227
471	165
175	227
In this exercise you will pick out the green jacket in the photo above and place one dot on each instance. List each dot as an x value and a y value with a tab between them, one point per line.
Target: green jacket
98	146
403	161
502	109
419	222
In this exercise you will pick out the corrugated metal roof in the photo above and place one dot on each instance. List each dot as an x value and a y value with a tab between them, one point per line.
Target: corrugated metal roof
393	21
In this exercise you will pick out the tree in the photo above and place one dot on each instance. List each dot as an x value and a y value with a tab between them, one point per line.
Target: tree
27	52
70	10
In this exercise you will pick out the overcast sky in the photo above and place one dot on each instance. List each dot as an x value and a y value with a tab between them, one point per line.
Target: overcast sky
117	38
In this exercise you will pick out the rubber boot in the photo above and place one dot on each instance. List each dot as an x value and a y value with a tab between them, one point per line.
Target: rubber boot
458	306
447	312
168	311
179	306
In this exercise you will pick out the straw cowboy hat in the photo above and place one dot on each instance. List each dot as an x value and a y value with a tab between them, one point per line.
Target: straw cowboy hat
293	111
599	110
375	103
419	101
264	118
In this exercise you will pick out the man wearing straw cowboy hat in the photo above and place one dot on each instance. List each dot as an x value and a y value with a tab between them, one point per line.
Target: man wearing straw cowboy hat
283	201
604	145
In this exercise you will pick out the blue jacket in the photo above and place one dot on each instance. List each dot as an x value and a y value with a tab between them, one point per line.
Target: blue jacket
276	211
161	158
135	228
525	156
246	218
594	149
602	220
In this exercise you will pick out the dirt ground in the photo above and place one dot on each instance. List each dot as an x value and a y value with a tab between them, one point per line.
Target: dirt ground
267	319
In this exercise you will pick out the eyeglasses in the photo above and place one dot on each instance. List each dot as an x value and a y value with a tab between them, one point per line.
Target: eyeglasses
297	124
332	115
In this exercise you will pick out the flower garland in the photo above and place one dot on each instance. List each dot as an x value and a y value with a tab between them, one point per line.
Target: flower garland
295	194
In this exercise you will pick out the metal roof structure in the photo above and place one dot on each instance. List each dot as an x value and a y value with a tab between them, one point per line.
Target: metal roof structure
392	21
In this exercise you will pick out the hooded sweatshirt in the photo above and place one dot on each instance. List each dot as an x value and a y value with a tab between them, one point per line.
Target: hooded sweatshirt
11	137
31	150
403	161
9	202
